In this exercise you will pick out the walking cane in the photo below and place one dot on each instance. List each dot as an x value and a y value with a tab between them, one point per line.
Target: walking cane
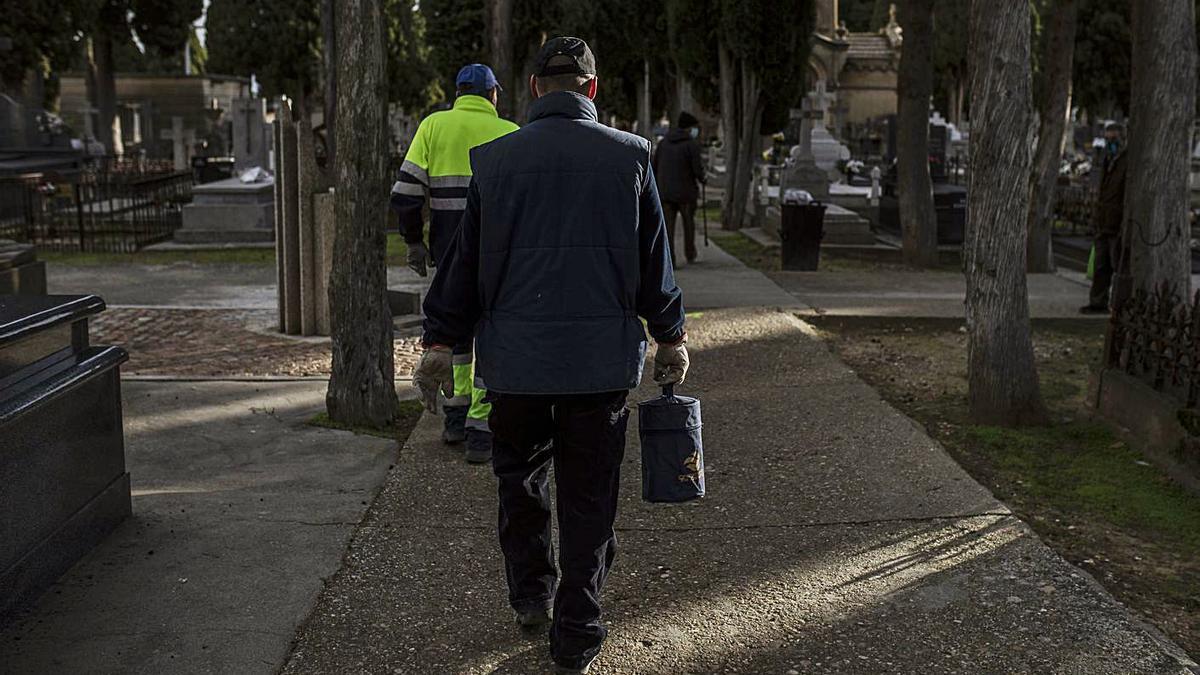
704	210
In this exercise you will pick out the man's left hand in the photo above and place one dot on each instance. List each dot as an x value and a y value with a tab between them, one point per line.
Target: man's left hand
434	373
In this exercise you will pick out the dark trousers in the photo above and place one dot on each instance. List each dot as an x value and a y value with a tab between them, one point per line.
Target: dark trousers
584	436
688	212
1108	256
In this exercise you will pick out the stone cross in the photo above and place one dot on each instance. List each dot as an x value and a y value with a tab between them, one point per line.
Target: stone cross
251	135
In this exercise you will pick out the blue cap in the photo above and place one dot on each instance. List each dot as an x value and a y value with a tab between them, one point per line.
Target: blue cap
478	79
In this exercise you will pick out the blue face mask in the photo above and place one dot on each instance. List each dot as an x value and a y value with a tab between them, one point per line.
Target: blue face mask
1113	146
694	131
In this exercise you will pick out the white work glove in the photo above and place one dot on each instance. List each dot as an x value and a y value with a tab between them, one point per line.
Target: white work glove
434	373
671	363
418	258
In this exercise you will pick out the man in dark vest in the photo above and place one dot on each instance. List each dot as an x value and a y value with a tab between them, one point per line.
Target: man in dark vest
680	169
561	249
1110	211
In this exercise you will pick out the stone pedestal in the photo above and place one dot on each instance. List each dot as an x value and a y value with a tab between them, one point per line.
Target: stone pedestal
20	272
229	211
304	231
62	451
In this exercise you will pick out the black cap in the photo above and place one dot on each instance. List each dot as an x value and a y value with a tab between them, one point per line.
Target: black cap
687	120
581	60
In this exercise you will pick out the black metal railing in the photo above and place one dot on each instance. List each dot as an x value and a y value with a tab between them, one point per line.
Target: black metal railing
1074	206
112	207
1155	336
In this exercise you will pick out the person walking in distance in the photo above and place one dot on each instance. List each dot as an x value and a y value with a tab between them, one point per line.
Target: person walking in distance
680	169
1110	212
438	162
561	249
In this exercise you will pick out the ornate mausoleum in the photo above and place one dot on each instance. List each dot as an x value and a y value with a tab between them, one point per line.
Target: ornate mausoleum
859	69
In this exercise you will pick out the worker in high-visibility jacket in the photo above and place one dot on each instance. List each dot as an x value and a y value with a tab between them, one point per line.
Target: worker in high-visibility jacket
438	161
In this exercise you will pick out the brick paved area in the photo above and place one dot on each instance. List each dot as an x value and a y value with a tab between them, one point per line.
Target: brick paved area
219	343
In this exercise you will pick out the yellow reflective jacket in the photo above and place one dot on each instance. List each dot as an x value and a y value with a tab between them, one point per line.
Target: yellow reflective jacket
439	161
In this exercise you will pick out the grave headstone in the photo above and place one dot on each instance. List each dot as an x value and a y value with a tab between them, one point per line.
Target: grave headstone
251	134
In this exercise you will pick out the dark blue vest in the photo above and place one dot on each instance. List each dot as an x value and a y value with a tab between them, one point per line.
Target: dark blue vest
564	272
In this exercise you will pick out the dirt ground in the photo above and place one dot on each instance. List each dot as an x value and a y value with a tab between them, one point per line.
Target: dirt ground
1090	496
218	342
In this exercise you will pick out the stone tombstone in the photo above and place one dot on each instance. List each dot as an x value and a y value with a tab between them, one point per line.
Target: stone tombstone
229	211
826	151
801	171
251	134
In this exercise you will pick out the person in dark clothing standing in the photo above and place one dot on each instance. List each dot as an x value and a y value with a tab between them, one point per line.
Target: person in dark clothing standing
561	249
680	170
1108	217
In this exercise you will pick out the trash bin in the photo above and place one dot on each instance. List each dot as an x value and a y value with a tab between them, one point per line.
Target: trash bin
801	229
672	449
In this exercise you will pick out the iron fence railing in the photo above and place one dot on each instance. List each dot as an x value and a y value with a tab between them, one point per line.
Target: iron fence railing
1155	336
111	207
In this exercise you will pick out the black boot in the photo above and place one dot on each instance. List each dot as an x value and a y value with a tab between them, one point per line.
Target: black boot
479	446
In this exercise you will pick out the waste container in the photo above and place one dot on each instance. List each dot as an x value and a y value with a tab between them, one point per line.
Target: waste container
801	229
672	449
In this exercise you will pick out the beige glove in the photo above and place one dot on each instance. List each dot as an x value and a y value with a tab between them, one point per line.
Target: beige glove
434	372
671	363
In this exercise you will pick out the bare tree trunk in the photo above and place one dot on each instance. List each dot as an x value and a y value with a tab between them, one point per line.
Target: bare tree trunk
918	217
329	33
500	33
729	120
1001	372
643	102
1163	111
1054	110
749	122
362	390
101	67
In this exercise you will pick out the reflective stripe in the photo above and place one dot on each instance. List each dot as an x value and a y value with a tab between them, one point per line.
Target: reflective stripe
443	204
478	424
409	189
478	383
457	401
416	171
450	181
462	359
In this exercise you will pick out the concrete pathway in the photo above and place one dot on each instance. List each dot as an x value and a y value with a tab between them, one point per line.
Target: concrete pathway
240	510
837	537
922	294
191	285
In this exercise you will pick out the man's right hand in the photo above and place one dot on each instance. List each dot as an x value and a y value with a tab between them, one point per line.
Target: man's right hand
418	258
434	373
671	363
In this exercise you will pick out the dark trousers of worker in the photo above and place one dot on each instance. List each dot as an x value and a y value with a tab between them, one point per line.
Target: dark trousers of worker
687	211
584	436
1108	257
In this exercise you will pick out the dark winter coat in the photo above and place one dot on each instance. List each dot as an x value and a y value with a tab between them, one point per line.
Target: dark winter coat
1110	201
560	250
679	168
